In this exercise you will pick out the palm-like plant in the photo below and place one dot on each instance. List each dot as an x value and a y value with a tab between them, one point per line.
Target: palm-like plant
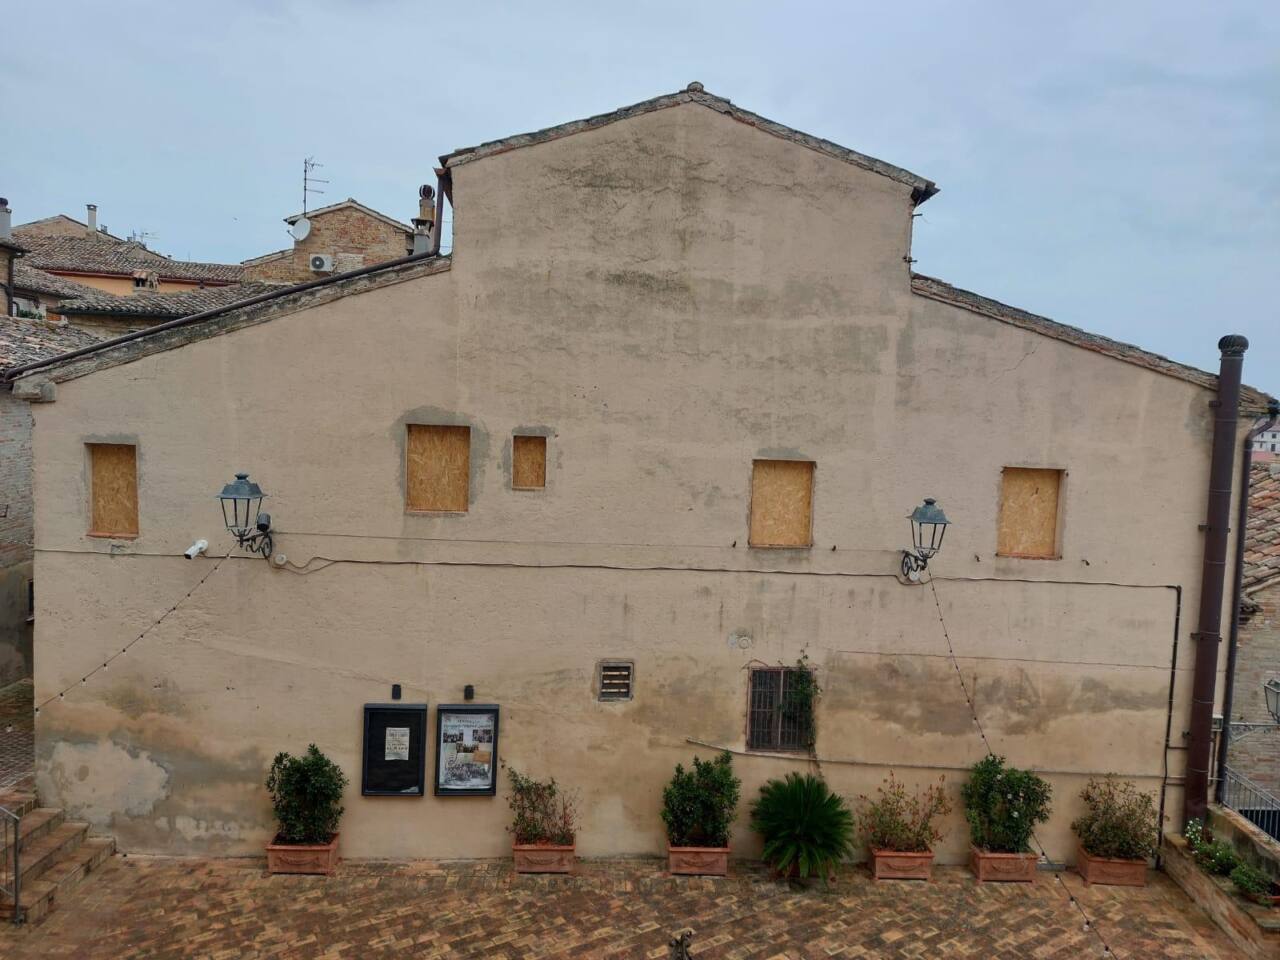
807	829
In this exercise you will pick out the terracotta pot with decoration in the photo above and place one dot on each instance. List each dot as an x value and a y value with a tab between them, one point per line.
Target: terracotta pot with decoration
1002	867
698	861
698	807
899	828
544	821
306	793
544	857
311	858
897	865
1112	871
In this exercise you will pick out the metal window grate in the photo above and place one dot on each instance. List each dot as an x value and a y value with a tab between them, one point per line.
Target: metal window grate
615	679
771	723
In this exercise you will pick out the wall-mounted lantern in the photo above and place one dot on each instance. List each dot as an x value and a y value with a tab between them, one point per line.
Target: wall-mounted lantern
928	527
1271	690
241	512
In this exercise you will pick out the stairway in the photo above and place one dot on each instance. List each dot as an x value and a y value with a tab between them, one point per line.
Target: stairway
54	854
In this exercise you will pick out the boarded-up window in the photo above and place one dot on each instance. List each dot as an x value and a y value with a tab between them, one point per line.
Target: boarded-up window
113	489
528	463
781	503
1029	513
615	678
438	468
779	714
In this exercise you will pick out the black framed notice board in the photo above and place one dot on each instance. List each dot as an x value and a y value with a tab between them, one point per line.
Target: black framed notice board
395	750
466	750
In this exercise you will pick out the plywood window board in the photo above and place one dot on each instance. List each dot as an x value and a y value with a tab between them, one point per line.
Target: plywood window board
438	469
528	463
781	503
113	490
1030	499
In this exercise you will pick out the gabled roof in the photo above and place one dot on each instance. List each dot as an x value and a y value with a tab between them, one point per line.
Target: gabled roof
24	340
1262	532
155	305
921	188
62	220
1250	398
27	277
103	255
351	203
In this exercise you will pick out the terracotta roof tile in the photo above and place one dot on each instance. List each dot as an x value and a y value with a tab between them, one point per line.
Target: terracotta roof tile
162	306
1262	533
26	341
101	254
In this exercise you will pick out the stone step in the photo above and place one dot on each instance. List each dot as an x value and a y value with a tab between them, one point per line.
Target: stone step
43	895
35	824
18	802
39	855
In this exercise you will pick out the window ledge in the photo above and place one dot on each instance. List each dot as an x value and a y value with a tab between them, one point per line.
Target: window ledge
1028	556
111	536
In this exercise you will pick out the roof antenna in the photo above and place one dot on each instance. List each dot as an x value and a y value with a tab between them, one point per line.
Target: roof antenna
309	164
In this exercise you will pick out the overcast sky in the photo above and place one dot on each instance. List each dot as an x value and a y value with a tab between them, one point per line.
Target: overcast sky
1113	166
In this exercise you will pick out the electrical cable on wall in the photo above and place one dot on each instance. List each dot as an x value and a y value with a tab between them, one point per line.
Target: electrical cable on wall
1089	925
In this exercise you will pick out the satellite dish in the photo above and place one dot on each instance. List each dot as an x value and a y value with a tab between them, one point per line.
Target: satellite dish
301	229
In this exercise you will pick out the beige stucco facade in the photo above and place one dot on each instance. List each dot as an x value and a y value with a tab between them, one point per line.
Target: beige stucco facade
667	297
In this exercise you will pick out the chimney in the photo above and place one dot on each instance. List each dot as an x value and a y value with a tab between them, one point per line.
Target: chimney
425	220
6	220
93	219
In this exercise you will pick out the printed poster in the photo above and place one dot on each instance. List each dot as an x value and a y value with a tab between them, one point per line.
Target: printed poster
397	744
467	751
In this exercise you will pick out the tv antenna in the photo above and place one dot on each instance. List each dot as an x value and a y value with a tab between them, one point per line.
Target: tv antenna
141	236
308	165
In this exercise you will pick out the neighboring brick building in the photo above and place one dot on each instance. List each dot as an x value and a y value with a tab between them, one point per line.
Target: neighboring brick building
348	235
21	341
1256	752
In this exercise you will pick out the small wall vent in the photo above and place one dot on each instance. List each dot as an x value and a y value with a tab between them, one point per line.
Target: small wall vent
615	679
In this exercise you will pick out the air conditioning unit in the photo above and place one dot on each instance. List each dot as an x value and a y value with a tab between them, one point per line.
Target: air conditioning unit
321	263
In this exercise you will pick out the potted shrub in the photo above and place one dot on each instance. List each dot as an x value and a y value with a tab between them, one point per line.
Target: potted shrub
544	822
306	793
698	807
1117	833
1003	806
807	829
899	830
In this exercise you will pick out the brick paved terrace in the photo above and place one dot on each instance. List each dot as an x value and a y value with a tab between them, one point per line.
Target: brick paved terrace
158	908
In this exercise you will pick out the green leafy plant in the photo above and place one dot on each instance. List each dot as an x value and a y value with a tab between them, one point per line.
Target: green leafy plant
1252	883
807	829
306	793
1214	856
1003	805
542	812
698	805
1120	821
799	703
901	822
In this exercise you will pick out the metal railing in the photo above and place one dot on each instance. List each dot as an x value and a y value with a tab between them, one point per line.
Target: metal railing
10	868
1252	802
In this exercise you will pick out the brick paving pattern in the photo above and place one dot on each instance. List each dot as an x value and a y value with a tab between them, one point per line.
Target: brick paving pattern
17	736
224	909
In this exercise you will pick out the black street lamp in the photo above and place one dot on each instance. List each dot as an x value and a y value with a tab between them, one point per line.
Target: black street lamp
928	527
241	506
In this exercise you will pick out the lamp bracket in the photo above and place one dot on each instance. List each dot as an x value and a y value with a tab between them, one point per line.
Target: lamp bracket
912	566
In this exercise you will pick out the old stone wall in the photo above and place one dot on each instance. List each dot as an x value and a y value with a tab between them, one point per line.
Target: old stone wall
352	237
665	300
1256	753
15	537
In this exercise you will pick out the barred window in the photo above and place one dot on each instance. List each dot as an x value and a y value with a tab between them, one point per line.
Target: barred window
780	709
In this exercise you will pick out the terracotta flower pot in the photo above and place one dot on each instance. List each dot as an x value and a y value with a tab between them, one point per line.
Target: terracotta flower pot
1002	867
544	857
698	861
1110	870
316	858
901	865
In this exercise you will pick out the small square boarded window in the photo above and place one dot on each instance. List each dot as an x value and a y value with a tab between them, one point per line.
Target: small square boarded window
438	469
781	503
113	490
528	463
614	679
1030	501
